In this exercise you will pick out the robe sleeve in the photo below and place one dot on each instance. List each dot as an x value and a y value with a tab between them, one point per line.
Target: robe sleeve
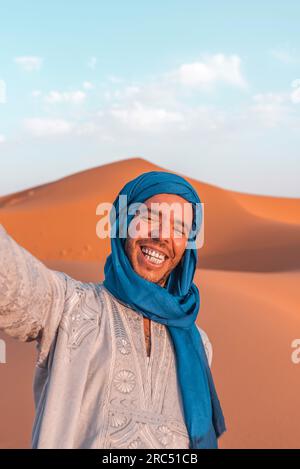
207	345
32	296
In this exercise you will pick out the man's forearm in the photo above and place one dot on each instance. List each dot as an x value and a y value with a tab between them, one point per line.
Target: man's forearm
28	290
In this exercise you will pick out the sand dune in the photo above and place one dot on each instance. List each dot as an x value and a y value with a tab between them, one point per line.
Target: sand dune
284	209
248	276
63	218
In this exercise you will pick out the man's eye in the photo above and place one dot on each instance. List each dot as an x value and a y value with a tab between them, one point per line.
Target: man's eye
180	231
153	219
150	219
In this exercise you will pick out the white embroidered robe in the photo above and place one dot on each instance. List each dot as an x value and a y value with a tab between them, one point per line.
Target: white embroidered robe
93	386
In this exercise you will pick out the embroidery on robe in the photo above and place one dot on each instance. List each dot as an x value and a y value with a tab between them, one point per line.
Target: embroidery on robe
80	320
130	423
135	444
164	435
125	381
117	421
122	341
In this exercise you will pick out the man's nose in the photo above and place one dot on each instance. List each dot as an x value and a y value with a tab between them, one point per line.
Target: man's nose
161	231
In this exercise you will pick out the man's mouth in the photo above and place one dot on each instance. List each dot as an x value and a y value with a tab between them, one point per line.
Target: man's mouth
153	256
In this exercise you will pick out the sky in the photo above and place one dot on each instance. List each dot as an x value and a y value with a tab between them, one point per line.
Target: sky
210	89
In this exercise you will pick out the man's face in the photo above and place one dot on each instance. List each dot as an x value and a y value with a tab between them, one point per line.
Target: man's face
161	238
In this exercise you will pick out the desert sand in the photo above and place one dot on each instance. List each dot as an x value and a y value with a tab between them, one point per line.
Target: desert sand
248	276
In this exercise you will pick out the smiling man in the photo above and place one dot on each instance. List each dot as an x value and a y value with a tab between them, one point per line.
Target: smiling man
157	266
121	363
156	250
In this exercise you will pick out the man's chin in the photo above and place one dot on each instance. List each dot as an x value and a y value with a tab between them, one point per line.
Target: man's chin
153	274
149	276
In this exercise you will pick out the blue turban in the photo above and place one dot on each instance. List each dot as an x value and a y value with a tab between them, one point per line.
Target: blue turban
176	305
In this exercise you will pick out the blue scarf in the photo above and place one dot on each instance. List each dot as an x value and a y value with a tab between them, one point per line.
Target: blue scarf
176	305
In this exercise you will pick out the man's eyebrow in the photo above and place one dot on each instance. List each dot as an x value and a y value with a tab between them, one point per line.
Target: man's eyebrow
176	221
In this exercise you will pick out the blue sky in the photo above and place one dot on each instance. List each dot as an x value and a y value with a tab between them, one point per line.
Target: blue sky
209	89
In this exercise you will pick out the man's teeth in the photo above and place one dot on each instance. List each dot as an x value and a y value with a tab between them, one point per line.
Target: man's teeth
153	256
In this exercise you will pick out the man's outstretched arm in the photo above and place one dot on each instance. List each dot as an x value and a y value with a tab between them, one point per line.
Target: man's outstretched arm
31	295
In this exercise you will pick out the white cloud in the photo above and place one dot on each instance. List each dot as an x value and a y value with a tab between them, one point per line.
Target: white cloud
215	68
270	108
36	93
126	93
75	97
57	97
87	128
160	103
41	127
285	55
2	138
295	95
273	109
130	91
87	85
2	92
29	63
139	117
114	79
92	62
